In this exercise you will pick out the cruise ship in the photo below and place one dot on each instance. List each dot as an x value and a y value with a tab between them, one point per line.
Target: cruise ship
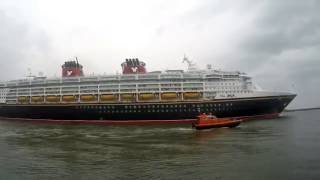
138	95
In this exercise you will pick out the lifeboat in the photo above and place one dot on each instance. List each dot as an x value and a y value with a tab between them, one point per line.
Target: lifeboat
53	98
69	98
37	99
146	96
127	97
108	97
88	98
169	96
23	99
191	95
208	121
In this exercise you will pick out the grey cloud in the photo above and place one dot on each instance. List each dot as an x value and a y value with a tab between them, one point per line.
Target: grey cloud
284	25
279	45
19	43
281	49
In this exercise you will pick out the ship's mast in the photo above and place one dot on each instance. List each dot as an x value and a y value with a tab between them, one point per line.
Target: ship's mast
191	66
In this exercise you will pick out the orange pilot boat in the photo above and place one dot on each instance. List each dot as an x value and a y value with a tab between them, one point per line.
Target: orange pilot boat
209	121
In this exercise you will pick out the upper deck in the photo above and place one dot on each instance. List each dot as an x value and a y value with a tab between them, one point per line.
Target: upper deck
203	84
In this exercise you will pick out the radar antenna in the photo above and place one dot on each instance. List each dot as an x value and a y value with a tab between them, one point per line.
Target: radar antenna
30	74
191	66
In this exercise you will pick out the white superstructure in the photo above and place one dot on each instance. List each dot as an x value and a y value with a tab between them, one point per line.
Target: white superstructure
170	85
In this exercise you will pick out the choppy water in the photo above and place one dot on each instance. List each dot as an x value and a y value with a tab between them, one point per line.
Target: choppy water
285	148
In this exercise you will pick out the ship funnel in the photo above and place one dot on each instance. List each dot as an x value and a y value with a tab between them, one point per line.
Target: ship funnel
72	69
133	66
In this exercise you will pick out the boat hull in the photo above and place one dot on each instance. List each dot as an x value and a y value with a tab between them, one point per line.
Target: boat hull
148	111
228	123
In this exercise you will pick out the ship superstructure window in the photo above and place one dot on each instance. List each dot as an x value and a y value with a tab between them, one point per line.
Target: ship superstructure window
24	91
128	77
148	76
53	81
52	90
88	89
71	80
170	76
70	89
37	91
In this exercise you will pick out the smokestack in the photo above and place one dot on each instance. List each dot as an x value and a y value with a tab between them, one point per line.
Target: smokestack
130	62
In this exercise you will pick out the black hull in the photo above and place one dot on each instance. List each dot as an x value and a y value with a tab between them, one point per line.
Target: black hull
149	111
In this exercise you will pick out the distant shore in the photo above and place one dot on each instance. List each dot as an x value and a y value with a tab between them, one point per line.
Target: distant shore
301	109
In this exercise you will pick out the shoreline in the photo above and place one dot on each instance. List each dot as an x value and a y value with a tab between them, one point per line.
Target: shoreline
301	109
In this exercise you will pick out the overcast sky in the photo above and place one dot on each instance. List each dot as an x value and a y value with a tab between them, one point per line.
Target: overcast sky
275	42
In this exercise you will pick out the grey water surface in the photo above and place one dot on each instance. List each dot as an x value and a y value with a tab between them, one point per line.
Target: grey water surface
283	148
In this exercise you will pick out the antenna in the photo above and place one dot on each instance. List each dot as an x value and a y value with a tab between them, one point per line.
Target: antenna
77	61
191	65
29	72
185	59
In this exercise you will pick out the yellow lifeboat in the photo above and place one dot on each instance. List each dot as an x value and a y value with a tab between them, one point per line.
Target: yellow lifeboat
169	96
69	98
88	98
53	98
127	97
191	95
23	99
146	96
37	99
108	97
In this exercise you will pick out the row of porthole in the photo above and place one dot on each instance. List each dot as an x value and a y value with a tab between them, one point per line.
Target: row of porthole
162	110
155	106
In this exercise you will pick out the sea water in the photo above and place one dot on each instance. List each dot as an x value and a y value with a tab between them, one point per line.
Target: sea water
283	148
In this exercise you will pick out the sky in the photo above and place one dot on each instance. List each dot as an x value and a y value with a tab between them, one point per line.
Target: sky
275	42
